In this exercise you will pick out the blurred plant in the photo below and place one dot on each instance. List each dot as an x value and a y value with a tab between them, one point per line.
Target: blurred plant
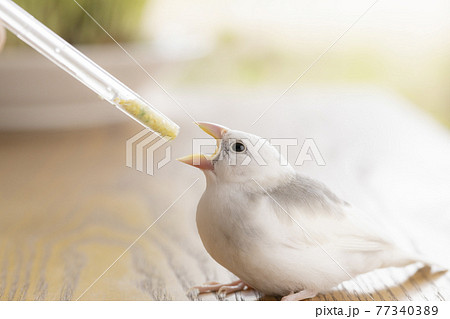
251	62
121	18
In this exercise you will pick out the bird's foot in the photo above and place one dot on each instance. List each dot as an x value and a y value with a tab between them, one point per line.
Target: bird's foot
222	289
301	295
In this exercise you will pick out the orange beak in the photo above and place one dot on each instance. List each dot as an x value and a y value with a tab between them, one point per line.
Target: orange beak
199	160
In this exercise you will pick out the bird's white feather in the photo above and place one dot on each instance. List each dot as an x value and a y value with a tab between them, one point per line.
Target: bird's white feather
281	232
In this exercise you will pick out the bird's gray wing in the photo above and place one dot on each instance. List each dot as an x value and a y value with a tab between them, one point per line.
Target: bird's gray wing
304	192
325	218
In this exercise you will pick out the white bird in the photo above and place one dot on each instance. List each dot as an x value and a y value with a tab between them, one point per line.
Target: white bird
279	232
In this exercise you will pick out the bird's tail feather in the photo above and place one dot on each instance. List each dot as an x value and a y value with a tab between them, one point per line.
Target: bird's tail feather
402	259
433	265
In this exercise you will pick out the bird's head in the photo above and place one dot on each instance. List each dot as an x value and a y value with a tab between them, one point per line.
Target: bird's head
240	157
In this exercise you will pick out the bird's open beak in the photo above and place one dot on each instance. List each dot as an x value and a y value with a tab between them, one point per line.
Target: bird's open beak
212	129
199	160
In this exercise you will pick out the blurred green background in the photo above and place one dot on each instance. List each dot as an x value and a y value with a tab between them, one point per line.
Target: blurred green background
118	17
403	46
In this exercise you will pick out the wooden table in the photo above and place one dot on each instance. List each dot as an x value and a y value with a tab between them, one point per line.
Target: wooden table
69	207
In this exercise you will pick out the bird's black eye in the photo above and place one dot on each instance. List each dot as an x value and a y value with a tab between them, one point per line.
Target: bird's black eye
238	147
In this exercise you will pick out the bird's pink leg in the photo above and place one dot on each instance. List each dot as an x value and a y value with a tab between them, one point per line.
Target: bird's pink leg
222	289
301	295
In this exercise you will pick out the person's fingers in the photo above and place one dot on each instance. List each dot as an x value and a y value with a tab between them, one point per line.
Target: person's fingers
2	37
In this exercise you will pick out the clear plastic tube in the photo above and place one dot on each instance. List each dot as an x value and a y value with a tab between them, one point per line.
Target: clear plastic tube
57	50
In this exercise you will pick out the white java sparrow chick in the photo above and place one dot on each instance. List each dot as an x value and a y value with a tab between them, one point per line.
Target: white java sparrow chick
281	233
